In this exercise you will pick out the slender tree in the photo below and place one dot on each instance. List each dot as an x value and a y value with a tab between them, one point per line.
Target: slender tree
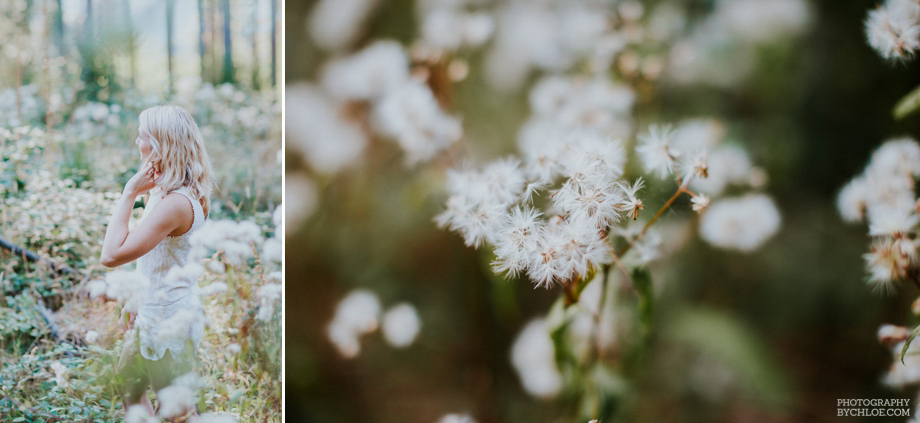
202	52
256	84
132	46
170	12
228	73
274	46
57	27
215	70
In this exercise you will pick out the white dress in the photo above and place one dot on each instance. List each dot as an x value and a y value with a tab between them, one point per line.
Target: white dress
171	314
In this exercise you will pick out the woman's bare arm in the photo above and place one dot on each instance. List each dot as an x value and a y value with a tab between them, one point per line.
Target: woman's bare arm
122	246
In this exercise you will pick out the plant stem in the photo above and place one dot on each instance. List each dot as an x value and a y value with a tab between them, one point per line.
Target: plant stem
680	190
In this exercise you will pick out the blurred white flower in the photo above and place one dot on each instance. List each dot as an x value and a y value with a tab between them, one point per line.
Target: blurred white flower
97	288
176	401
657	154
60	374
127	287
218	418
534	358
268	295
368	74
177	326
742	223
334	24
213	288
892	33
456	418
450	28
301	201
401	325
91	337
410	114
317	128
271	250
138	414
357	314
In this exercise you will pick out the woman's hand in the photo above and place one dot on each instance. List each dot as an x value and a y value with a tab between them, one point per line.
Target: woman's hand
127	319
143	181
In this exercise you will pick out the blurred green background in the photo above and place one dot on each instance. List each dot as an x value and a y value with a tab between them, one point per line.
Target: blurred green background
799	310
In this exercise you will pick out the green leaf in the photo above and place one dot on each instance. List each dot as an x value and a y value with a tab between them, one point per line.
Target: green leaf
913	334
908	104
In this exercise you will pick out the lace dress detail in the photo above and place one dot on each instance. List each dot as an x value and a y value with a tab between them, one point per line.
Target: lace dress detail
171	313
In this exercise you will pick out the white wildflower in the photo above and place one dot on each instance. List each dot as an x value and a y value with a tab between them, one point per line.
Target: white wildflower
176	401
631	204
357	314
334	24
517	240
448	28
91	337
853	199
743	223
368	74
184	275
892	333
301	201
321	132
177	326
456	418
657	155
534	358
218	418
890	259
268	295
127	287
213	288
401	325
60	374
271	250
216	267
138	414
96	288
567	249
410	114
892	35
699	202
901	375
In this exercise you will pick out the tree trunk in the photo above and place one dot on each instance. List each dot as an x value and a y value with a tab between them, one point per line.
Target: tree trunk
228	73
46	60
57	28
215	70
256	84
132	47
201	48
274	47
170	12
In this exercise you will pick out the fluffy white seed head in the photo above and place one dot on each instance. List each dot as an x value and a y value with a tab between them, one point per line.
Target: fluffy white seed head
743	223
895	36
656	152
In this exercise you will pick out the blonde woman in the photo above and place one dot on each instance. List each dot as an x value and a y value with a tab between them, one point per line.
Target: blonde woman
176	172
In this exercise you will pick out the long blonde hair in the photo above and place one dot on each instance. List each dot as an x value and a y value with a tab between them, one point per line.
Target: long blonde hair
178	151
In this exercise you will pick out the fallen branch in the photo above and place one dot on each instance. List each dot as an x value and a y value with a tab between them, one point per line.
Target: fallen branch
30	256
